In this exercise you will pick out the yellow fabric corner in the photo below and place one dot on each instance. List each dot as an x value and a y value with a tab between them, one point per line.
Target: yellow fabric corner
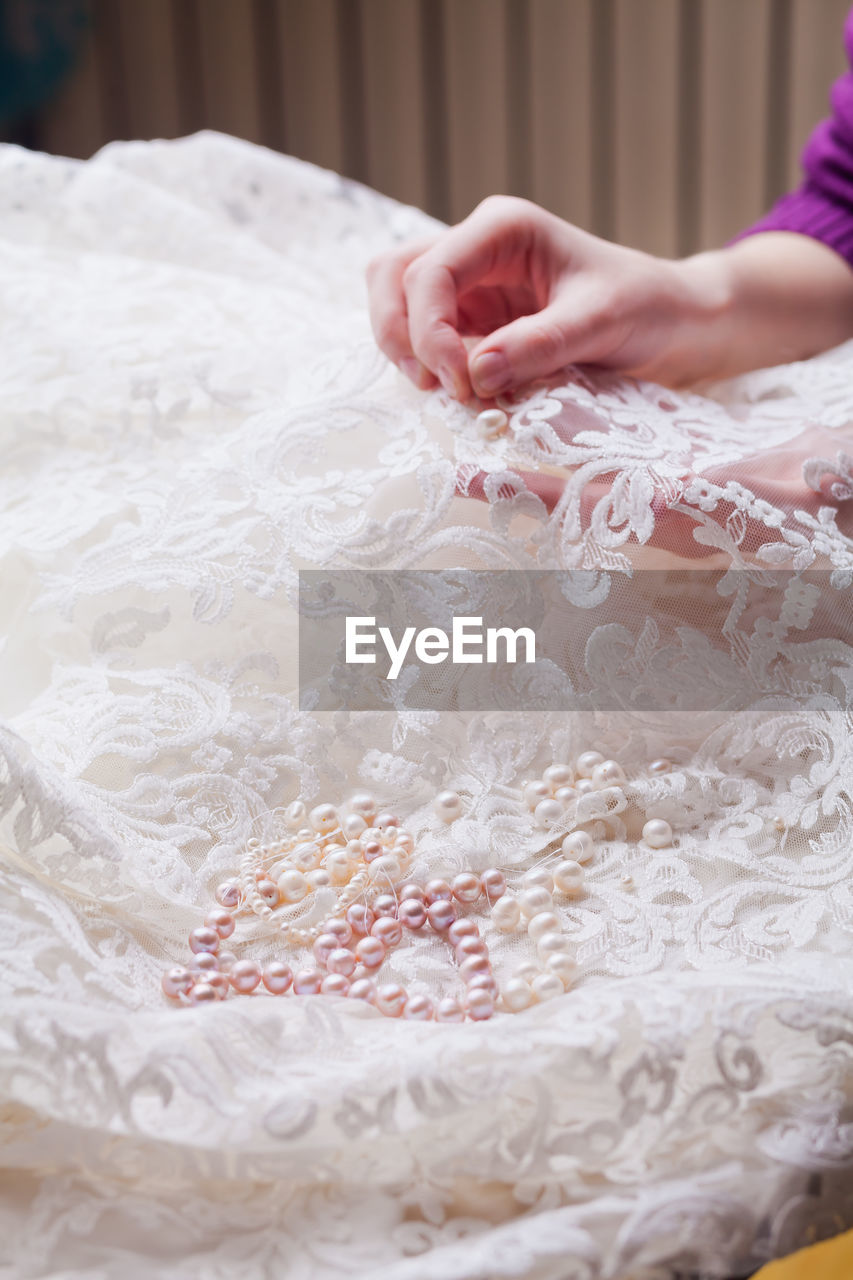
829	1260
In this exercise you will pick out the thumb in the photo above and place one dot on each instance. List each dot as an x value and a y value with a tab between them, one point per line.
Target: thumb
578	326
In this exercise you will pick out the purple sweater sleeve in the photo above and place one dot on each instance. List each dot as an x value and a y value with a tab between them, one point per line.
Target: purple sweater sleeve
822	206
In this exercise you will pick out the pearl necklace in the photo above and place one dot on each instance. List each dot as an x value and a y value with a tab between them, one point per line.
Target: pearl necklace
364	855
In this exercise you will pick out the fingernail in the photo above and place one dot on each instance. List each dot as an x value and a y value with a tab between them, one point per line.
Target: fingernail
447	380
413	369
491	371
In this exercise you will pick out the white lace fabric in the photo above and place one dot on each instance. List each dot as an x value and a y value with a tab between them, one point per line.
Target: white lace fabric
192	409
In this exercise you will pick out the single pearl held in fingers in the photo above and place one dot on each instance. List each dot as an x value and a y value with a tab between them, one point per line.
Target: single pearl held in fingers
491	423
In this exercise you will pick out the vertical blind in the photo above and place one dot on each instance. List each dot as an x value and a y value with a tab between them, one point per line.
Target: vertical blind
666	124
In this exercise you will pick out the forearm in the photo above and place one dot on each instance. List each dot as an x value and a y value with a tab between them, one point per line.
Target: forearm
765	300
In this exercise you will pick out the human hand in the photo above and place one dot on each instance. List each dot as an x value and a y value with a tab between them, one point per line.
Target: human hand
541	294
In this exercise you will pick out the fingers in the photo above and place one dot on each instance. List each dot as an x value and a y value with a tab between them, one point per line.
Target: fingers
388	312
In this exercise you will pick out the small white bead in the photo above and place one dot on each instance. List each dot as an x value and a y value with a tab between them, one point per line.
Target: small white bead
517	995
660	766
563	965
547	812
550	943
587	761
448	805
305	856
353	826
558	775
491	422
294	815
657	833
527	971
569	877
538	876
627	882
506	913
578	846
293	886
608	774
363	804
546	986
338	865
534	793
534	900
544	922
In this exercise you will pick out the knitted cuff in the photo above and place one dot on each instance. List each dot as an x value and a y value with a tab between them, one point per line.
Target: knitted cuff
810	212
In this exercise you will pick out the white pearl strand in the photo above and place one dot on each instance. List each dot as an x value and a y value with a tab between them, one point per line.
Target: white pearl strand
530	909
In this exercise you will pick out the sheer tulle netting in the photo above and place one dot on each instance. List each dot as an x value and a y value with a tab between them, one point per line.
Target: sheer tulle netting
193	409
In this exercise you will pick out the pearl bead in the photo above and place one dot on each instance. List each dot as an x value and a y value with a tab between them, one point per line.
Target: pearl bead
220	920
436	890
360	918
441	915
549	943
412	891
583	786
527	971
404	843
338	865
318	879
369	849
340	929
480	1004
277	977
385	870
565	795
470	946
245	976
534	900
324	818
578	846
226	959
506	914
205	962
363	989
546	986
534	793
335	984
307	982
370	952
466	887
517	995
385	821
491	423
270	892
627	882
385	905
176	982
294	815
418	1009
449	1010
484	982
563	965
305	834
203	993
293	886
307	856
364	805
228	895
412	913
657	833
494	884
547	813
391	999
220	984
388	930
558	775
204	939
538	876
779	823
607	774
323	947
569	877
544	922
448	805
660	766
472	965
464	928
353	825
587	761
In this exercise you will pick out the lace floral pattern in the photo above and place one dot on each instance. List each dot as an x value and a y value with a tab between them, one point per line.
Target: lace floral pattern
193	409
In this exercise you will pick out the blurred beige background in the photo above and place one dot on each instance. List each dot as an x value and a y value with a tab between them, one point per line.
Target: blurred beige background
667	124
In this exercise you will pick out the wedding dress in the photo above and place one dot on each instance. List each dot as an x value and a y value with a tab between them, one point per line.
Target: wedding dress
193	409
